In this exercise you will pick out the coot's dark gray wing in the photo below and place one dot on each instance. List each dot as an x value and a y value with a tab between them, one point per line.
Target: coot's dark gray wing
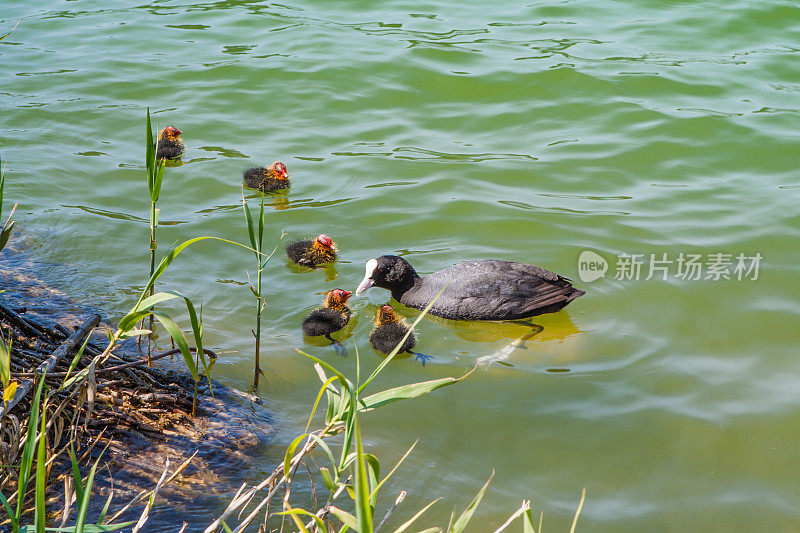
492	290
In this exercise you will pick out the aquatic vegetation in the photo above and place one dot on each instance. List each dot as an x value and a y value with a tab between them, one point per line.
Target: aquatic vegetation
155	177
353	471
349	472
256	234
77	491
10	31
9	385
5	231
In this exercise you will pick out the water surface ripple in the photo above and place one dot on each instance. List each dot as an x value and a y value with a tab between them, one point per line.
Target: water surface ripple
445	131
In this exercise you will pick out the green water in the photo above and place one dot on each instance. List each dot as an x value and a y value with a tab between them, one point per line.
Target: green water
444	131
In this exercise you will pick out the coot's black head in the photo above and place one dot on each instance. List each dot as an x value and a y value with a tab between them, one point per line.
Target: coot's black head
388	272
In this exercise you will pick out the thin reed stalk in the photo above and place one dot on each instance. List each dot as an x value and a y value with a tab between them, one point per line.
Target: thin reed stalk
155	177
256	233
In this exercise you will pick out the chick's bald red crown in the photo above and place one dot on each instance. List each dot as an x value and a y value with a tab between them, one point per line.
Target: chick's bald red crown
342	294
170	132
338	297
279	169
324	240
386	315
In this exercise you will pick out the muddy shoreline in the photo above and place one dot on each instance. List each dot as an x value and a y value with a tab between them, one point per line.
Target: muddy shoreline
138	418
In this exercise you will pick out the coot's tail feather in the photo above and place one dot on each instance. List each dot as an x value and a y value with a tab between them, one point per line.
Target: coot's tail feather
553	298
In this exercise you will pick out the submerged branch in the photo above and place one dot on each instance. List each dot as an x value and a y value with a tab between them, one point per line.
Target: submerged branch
68	345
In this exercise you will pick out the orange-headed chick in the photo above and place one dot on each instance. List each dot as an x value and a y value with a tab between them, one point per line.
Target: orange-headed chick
267	179
390	330
170	145
332	316
312	252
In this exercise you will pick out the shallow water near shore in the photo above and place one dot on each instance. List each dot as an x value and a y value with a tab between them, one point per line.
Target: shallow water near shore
442	132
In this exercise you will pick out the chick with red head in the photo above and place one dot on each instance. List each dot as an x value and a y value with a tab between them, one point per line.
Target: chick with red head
329	318
312	252
267	179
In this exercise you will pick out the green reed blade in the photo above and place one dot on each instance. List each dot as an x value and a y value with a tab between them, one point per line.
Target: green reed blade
40	512
465	517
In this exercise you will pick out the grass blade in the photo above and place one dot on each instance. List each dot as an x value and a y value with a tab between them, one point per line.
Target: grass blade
105	509
299	523
375	490
578	512
180	340
465	517
27	451
250	226
83	509
74	362
413	519
527	522
405	392
77	481
325	447
170	257
346	518
287	459
363	507
342	380
40	513
319	397
7	505
159	179
150	155
197	331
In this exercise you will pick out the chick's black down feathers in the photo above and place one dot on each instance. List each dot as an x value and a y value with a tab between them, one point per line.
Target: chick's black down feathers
170	149
386	337
324	321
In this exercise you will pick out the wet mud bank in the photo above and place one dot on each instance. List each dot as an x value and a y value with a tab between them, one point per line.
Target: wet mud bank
133	418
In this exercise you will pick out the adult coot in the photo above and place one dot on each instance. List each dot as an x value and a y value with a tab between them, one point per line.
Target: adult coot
390	330
332	316
267	179
312	252
170	145
488	289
